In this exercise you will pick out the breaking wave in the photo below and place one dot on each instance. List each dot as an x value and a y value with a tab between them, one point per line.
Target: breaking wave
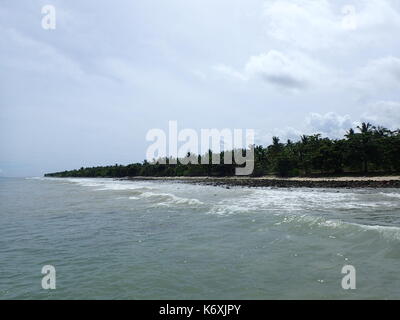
166	199
295	208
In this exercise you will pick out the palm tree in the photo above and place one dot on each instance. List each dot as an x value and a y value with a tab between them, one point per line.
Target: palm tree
349	133
382	131
304	139
365	130
365	127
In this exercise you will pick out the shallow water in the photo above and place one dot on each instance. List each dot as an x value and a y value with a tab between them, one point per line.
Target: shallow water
166	240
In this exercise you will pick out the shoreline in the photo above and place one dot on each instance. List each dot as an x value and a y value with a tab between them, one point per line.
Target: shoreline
295	182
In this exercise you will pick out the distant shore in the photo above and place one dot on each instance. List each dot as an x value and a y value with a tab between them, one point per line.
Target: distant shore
295	182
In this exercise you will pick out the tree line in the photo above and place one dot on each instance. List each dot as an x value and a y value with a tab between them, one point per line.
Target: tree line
367	149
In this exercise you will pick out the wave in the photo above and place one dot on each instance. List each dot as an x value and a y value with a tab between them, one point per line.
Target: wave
138	190
286	208
388	232
166	199
223	210
297	208
390	194
286	201
108	184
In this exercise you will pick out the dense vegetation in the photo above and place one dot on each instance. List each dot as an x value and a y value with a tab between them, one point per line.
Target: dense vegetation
368	149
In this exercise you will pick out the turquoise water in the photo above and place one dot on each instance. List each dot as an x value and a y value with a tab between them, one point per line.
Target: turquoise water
160	240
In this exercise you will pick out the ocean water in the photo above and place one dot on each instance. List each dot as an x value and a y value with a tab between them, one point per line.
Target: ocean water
110	239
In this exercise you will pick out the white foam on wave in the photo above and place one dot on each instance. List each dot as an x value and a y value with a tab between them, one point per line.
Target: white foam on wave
109	184
139	191
310	221
295	200
388	232
390	194
289	203
117	187
36	178
281	200
167	199
228	209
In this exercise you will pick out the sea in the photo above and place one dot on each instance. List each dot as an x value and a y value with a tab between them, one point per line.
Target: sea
121	239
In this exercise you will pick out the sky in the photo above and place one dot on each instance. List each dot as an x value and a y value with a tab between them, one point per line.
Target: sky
87	92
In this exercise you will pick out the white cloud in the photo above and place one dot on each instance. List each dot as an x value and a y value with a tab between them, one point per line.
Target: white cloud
264	137
293	71
288	133
378	74
376	15
329	124
384	113
301	23
342	37
297	71
323	25
333	125
230	72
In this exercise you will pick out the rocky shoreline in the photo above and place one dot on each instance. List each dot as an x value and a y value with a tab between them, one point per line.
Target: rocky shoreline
345	182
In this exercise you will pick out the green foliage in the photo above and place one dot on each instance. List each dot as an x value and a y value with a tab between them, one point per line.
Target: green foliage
370	150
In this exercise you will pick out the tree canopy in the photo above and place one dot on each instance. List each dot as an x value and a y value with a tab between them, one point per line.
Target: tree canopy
366	149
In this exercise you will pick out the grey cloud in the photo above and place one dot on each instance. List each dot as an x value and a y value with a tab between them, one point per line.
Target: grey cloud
285	81
284	70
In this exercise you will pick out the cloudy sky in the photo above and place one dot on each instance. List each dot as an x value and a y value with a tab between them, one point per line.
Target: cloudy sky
87	92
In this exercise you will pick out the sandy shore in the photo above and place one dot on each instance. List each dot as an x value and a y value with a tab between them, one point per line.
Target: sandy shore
271	181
